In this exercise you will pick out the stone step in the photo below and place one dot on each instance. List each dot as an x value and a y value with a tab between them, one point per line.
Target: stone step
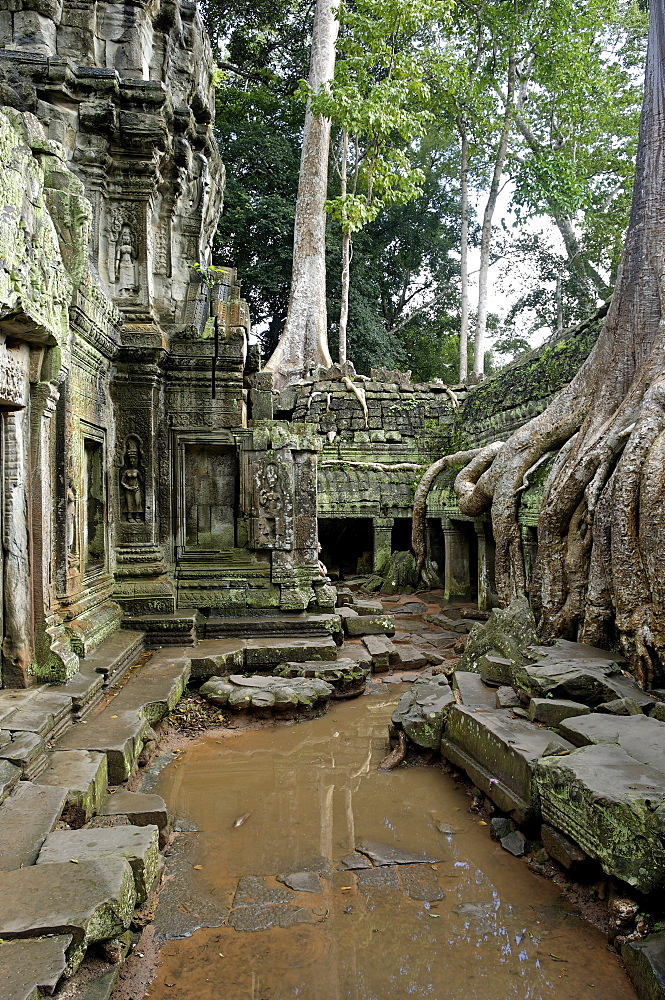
138	844
27	816
361	625
32	967
297	624
84	777
119	735
13	698
215	657
92	900
113	657
499	754
176	628
156	688
48	715
10	775
86	689
26	750
141	809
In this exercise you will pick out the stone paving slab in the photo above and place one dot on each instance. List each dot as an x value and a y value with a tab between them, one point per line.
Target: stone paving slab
30	968
118	735
642	737
47	715
612	806
410	657
26	818
115	655
499	754
381	624
471	690
84	776
138	844
157	688
553	711
166	629
141	809
13	698
85	689
26	750
382	652
92	901
215	657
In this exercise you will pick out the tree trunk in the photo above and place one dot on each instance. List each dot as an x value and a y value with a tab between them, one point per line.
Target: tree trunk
346	254
304	339
601	529
464	253
486	234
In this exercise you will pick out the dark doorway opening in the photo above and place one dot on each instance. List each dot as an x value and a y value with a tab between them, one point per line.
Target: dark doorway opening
400	539
347	545
435	548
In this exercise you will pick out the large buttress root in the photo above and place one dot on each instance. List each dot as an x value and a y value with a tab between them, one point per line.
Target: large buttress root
601	531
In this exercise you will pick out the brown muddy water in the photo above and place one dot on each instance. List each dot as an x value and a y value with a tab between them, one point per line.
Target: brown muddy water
471	924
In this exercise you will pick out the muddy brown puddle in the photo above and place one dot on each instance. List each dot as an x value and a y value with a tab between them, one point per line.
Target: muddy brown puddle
474	925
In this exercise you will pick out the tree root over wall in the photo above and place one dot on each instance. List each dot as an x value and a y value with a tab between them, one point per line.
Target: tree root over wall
600	570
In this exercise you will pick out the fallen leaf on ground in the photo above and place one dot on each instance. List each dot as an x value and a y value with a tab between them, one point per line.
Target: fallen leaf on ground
241	819
197	868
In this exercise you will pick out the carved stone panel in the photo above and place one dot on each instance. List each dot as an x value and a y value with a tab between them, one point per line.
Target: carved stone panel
271	501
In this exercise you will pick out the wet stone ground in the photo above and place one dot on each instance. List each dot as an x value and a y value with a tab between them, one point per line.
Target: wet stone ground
301	870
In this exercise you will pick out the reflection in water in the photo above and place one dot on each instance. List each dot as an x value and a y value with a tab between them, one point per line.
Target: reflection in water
314	791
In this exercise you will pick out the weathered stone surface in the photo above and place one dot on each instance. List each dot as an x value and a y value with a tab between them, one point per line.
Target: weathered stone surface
30	968
410	657
83	775
494	669
141	809
371	608
10	775
263	653
112	658
506	698
302	881
361	625
471	690
120	738
384	854
515	843
499	754
92	901
507	633
645	963
47	715
552	711
347	677
382	651
579	678
642	737
420	882
621	706
264	694
216	657
26	819
561	848
157	688
26	750
613	806
85	689
421	710
501	826
354	862
138	844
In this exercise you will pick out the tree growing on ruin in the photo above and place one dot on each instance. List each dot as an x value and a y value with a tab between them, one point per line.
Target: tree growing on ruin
601	531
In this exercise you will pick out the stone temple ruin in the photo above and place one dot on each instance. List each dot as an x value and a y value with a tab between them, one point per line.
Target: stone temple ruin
154	490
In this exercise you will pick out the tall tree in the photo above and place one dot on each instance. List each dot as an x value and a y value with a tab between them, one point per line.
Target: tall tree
601	529
305	335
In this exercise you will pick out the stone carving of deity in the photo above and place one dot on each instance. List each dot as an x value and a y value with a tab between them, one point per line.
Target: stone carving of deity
71	532
132	481
126	275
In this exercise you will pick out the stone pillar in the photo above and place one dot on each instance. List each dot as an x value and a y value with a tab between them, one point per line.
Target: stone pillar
457	582
383	529
486	553
17	649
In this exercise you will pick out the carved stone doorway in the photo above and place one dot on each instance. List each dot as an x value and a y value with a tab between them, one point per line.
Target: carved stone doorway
206	511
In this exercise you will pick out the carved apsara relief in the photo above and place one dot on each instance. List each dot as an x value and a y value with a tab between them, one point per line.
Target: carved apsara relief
132	481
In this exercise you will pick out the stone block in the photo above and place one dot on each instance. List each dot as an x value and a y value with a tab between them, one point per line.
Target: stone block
471	691
138	844
10	775
645	964
410	657
612	806
26	750
494	669
119	735
562	849
261	654
552	711
217	657
156	689
141	809
421	711
506	698
499	754
622	706
642	737
93	901
33	967
84	776
369	625
509	632
381	651
367	608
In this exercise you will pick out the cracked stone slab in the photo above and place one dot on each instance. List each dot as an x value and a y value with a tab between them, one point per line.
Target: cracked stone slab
420	883
22	749
256	891
384	854
384	877
138	844
261	918
141	809
120	735
471	691
92	901
27	817
84	776
354	862
641	737
32	967
302	881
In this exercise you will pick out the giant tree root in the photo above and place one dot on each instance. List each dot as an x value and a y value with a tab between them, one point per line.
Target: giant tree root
396	756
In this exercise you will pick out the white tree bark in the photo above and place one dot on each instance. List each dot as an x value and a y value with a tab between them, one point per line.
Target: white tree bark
346	255
464	254
305	335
